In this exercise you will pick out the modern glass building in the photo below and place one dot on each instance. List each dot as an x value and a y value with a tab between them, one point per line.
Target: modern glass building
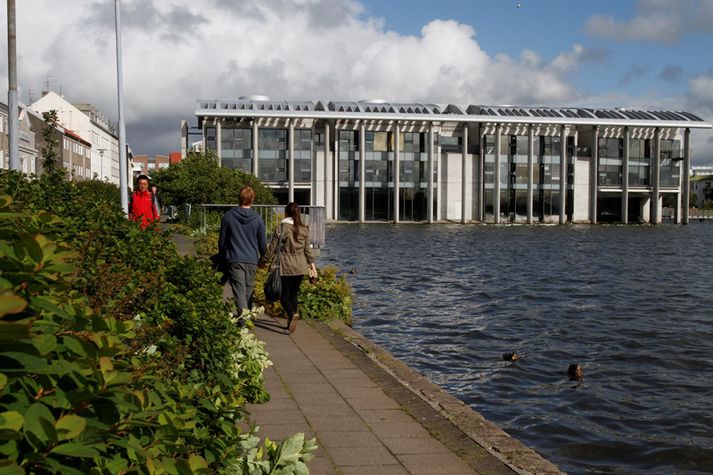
378	161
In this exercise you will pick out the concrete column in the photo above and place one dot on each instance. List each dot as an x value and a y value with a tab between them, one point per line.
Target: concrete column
481	178
255	147
219	140
328	178
430	173
464	182
362	173
496	185
530	171
685	172
656	193
397	171
563	174
290	161
625	179
335	171
594	178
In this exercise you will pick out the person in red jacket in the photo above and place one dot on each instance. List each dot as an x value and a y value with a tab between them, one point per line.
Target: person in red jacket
142	207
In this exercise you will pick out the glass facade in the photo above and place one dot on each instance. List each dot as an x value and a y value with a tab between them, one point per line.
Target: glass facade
236	148
641	156
272	156
210	138
514	150
670	170
303	155
379	158
348	175
611	153
413	177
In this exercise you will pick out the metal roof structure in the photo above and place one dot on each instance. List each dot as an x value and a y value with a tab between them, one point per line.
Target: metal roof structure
261	106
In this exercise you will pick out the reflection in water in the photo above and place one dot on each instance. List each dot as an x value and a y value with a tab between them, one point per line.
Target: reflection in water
630	304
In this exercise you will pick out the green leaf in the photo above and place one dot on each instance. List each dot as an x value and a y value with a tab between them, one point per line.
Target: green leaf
3	381
10	304
44	343
33	248
74	449
28	363
13	331
10	467
11	420
70	426
39	426
198	464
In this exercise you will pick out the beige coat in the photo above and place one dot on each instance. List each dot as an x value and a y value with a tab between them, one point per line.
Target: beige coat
296	254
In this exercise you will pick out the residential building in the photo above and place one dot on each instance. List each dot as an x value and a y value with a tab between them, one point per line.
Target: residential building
91	126
702	190
145	165
72	151
27	152
379	161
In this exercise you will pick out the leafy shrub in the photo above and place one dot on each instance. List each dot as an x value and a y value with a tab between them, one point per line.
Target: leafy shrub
199	179
330	298
118	355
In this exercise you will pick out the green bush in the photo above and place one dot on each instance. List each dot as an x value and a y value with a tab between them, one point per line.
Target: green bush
117	354
199	179
330	298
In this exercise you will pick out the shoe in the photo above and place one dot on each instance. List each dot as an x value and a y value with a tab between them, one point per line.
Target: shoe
292	324
289	323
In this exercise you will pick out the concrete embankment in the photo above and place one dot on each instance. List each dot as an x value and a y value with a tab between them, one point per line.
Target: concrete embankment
371	414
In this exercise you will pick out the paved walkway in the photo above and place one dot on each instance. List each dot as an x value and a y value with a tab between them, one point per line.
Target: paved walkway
365	420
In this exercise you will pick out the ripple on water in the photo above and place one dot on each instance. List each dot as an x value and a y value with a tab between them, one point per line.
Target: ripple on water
630	304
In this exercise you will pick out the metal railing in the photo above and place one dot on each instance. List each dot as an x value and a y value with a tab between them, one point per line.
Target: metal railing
313	216
693	213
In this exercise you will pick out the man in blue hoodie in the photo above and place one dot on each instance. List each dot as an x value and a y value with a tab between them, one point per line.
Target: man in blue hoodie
241	245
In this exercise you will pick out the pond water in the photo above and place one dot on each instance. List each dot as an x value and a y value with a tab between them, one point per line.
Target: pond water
633	305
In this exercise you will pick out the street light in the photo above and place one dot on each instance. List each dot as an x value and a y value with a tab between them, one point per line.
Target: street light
101	162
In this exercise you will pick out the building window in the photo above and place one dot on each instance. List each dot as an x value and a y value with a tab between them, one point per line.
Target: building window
236	149
303	155
273	154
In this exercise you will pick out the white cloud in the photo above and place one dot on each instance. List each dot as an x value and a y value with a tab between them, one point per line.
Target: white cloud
661	21
176	52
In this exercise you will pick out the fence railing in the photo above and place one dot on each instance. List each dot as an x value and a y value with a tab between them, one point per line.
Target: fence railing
693	213
313	216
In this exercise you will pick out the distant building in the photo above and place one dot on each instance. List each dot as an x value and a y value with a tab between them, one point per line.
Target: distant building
702	189
145	165
174	157
697	170
73	152
26	140
380	161
91	126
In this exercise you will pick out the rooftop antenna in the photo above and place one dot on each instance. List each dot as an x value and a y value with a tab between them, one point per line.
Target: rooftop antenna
29	95
48	83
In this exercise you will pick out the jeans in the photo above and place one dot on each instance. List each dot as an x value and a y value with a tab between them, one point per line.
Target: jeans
290	293
242	281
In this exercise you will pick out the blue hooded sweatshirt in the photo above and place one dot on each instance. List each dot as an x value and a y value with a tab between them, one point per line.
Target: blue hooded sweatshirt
242	237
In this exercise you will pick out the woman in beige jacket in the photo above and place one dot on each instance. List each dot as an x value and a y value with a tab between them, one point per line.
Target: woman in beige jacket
295	261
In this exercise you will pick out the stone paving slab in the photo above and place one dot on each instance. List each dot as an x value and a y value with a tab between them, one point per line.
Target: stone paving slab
365	419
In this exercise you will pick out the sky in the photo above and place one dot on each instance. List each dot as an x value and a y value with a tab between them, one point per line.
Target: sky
645	54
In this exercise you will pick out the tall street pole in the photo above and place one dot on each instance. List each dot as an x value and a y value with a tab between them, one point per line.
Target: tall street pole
12	105
123	164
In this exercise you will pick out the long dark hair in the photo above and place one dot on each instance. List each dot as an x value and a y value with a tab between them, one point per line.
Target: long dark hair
292	210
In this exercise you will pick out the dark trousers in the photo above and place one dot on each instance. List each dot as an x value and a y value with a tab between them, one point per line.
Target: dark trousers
242	281
290	293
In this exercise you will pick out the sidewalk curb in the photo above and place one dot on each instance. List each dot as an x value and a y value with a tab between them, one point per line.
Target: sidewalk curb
487	435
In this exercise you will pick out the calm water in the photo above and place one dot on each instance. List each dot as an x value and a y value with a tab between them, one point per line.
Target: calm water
632	304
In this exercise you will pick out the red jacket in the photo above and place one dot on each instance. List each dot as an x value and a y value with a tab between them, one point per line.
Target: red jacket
142	207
